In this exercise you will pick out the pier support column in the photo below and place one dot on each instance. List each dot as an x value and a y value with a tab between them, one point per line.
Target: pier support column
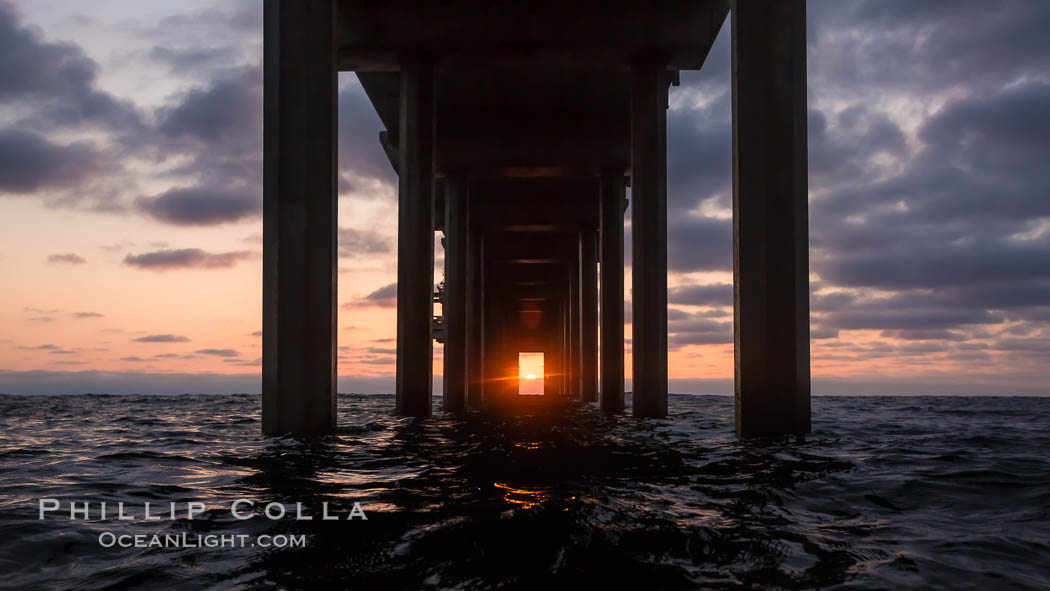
770	211
589	307
299	218
415	239
649	237
612	198
473	314
454	307
575	320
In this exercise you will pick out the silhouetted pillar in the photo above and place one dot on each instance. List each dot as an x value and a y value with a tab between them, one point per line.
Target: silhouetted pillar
589	306
612	198
454	307
575	320
649	237
299	218
563	353
415	239
474	317
770	234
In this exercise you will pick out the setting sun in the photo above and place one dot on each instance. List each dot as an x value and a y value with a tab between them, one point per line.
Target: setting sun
530	373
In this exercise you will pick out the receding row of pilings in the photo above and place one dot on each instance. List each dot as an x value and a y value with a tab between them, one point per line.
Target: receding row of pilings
770	236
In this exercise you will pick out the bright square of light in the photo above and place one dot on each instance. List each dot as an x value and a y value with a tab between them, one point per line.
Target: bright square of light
530	374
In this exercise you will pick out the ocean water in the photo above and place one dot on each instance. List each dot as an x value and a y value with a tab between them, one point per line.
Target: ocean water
902	492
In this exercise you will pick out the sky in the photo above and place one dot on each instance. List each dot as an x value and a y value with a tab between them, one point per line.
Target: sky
130	202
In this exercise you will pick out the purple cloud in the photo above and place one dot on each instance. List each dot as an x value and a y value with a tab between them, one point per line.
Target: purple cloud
186	258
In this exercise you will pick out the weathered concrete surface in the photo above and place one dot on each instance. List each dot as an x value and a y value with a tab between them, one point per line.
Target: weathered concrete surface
770	218
612	364
299	218
415	239
454	308
649	238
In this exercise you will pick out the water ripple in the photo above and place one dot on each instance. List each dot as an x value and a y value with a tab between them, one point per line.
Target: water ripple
918	492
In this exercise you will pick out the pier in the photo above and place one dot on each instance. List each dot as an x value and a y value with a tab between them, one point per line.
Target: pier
516	130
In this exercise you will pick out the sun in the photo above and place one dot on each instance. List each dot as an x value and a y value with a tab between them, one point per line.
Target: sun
531	376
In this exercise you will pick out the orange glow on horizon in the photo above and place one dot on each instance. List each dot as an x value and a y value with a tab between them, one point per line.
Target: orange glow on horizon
530	365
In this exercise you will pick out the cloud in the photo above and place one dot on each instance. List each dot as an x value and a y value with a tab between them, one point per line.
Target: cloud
48	347
162	338
201	206
384	297
360	153
29	162
354	242
186	258
257	362
87	315
55	82
699	243
229	108
69	258
716	294
188	60
698	330
218	352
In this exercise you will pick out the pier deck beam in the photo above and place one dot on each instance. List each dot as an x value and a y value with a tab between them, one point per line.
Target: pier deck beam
770	218
415	239
649	237
612	198
299	218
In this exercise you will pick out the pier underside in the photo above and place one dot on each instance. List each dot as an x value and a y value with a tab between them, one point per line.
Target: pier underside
516	130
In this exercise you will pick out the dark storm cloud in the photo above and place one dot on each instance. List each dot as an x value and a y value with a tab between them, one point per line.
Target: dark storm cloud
357	242
209	135
697	243
68	259
217	129
910	262
29	162
926	46
699	153
384	297
201	206
186	258
229	108
934	224
162	338
56	80
716	294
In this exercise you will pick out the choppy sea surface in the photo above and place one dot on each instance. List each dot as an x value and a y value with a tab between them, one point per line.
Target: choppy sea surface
887	492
